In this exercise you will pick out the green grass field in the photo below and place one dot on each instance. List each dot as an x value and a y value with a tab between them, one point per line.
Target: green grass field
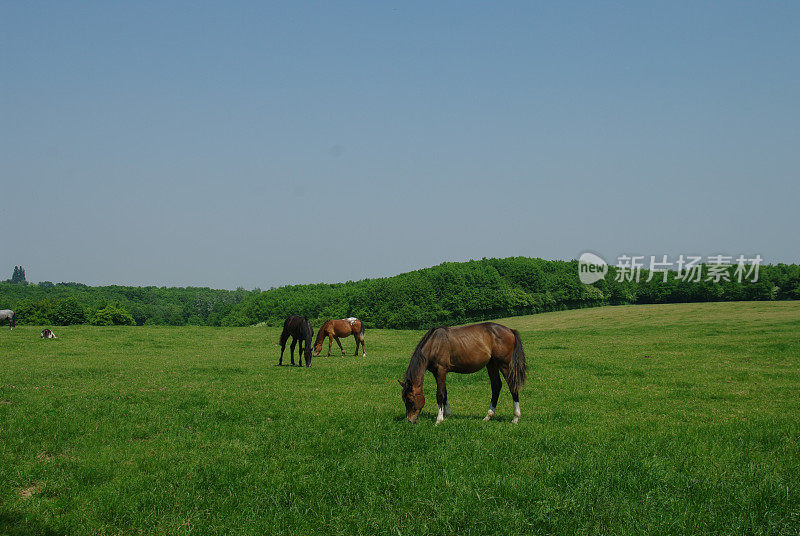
666	419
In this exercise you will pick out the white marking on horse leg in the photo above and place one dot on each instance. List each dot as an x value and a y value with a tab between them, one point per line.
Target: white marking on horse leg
440	417
517	413
490	413
447	411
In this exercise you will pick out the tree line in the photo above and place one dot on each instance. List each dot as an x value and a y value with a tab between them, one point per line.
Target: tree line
450	293
64	304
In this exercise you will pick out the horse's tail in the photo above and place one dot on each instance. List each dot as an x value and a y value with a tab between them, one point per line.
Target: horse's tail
516	373
363	328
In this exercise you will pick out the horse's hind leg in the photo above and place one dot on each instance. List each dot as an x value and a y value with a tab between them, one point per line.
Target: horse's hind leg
363	348
514	392
497	385
355	336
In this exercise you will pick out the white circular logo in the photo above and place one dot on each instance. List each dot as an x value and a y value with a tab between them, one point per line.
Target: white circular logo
591	268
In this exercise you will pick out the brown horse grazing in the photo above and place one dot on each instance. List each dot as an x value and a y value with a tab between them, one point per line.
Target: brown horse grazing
299	329
333	329
464	349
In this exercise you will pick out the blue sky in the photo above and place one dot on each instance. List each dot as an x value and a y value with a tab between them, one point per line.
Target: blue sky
260	143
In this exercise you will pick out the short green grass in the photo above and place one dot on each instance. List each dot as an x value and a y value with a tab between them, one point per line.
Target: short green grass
668	419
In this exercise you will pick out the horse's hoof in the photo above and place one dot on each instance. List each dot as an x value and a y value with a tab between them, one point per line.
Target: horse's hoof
515	420
487	419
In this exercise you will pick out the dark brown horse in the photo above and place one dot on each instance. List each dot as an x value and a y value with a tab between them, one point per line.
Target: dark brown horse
333	329
299	328
464	349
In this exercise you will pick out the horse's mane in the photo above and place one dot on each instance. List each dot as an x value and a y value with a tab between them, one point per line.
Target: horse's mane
321	332
417	360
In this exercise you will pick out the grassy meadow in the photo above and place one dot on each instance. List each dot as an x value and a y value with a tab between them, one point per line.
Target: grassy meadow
663	419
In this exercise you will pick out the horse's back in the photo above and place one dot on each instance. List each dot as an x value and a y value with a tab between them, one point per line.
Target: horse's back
341	327
470	348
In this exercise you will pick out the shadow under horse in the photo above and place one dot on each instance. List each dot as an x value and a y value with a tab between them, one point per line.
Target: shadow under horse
465	349
299	328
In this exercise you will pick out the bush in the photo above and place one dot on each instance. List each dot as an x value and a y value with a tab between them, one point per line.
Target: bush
68	312
113	315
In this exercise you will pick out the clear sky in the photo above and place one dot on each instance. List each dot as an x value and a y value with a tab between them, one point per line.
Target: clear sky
254	144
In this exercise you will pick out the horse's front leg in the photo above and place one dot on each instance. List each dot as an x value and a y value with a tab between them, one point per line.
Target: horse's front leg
330	343
283	347
291	349
300	353
441	395
340	345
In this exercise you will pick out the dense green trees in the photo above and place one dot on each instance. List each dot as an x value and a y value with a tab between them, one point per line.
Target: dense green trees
75	303
492	288
445	294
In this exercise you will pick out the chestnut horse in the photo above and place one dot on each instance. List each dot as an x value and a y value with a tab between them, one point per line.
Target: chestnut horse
333	329
299	329
465	349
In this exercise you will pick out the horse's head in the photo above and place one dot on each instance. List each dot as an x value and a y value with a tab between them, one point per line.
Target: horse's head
413	399
317	348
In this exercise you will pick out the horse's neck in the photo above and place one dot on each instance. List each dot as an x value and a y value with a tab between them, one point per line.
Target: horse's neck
417	376
323	332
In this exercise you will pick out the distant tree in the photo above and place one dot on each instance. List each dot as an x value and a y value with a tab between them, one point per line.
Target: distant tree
19	275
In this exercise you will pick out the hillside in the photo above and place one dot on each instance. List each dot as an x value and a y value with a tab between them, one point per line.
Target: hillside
450	293
456	293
